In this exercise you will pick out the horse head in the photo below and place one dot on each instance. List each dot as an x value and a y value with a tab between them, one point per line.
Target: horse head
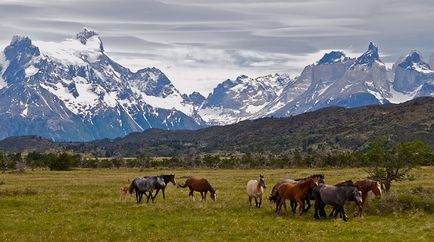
376	189
320	177
357	195
261	182
213	195
313	182
172	179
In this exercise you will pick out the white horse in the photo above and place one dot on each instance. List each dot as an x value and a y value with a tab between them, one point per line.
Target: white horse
255	189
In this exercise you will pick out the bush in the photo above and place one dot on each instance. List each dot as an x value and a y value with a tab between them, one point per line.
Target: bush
413	200
62	162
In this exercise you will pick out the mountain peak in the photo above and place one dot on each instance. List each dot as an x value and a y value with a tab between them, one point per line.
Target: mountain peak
369	56
84	35
414	61
20	40
22	47
332	57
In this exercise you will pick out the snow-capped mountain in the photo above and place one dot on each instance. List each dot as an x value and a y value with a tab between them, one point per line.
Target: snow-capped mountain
412	77
338	80
73	90
235	100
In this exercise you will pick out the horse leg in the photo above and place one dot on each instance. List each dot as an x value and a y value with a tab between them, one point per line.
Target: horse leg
148	196
284	206
260	201
293	206
164	195
315	215
204	197
158	190
191	194
277	205
250	201
301	208
332	212
256	201
308	205
344	216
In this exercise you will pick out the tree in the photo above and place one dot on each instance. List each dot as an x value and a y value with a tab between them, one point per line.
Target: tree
393	163
61	162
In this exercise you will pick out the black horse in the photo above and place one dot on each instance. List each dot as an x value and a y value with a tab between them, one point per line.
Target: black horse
335	196
276	198
167	179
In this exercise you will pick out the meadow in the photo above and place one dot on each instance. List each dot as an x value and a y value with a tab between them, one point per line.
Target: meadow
85	205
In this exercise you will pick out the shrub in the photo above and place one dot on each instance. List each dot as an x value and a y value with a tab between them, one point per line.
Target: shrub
62	162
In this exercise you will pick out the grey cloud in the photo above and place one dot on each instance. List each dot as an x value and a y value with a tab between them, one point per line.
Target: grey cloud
252	36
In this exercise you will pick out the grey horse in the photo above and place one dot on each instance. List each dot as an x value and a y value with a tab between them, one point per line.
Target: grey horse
335	196
142	185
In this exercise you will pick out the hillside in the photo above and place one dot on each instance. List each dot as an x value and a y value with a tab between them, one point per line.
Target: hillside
326	129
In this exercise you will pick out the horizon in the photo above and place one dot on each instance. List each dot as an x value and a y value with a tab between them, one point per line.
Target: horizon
199	44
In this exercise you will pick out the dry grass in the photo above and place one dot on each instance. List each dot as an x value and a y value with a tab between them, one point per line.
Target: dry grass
85	205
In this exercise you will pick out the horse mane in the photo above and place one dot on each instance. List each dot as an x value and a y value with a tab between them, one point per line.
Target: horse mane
321	176
210	187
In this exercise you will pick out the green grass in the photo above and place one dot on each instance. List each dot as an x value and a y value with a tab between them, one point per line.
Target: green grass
84	205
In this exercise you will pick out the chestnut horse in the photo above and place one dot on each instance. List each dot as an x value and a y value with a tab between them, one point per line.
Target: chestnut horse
296	193
365	186
255	189
199	185
276	199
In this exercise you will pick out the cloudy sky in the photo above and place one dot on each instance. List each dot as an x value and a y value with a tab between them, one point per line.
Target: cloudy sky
199	43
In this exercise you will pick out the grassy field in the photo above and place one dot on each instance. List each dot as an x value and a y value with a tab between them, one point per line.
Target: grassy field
84	205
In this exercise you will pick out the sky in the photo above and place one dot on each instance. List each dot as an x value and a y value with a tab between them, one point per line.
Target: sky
200	43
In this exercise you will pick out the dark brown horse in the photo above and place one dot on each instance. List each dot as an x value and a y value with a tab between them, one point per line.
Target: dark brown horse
365	186
199	185
274	197
296	192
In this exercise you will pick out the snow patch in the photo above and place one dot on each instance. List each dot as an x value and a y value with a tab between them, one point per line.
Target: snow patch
421	69
31	70
71	51
400	97
3	64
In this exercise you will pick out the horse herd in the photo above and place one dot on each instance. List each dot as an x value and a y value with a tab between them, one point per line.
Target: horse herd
298	191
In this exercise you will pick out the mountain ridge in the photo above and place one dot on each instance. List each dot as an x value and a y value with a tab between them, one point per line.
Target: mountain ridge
326	130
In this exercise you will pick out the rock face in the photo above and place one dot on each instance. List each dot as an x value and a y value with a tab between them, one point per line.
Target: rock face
73	91
413	76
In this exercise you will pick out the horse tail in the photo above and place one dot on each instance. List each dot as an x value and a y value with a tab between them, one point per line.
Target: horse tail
131	187
182	186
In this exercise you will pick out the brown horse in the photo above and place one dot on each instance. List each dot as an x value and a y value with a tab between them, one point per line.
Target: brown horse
199	185
364	186
296	193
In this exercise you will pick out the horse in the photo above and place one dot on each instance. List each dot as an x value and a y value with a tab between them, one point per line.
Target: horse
200	185
296	192
255	189
167	179
335	196
142	185
124	191
276	198
364	186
